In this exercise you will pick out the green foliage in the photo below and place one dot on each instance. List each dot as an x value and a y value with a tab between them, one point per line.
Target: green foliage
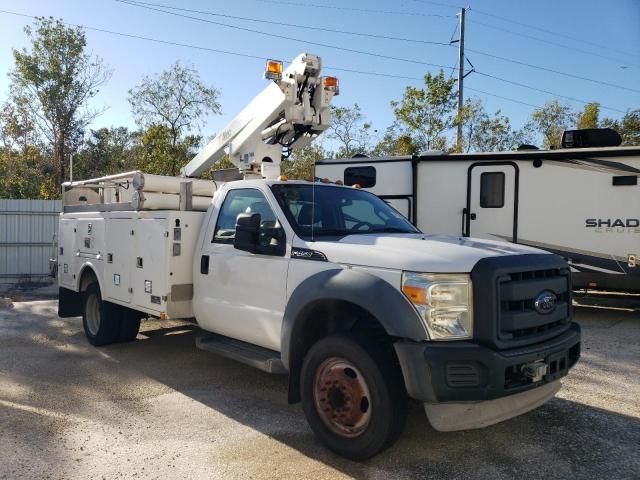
588	118
156	153
551	121
54	80
176	99
21	176
396	142
167	106
351	132
22	159
428	112
628	127
301	165
106	151
485	133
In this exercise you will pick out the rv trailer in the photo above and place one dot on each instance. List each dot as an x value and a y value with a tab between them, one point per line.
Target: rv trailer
581	203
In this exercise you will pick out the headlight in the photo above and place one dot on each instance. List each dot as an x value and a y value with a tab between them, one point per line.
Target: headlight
443	300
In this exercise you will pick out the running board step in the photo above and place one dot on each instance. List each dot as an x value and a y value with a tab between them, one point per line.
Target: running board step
243	352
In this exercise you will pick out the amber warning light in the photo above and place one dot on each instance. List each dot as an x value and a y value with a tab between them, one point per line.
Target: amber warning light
273	70
331	84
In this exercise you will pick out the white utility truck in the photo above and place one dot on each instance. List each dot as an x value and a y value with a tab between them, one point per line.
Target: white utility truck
580	202
324	283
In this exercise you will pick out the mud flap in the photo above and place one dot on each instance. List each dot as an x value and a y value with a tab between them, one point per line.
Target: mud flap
69	303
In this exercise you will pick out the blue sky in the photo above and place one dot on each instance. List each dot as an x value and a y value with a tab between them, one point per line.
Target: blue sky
605	29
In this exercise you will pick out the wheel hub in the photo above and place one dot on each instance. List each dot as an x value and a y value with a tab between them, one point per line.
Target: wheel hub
342	397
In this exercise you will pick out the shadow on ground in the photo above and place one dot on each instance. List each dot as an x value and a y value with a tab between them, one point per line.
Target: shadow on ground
49	363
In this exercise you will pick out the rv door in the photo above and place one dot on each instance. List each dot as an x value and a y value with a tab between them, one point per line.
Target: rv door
492	201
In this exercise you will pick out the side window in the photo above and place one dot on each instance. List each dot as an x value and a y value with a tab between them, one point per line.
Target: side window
492	190
363	176
627	180
246	200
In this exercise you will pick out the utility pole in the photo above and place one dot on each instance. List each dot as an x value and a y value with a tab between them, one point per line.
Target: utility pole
461	62
71	167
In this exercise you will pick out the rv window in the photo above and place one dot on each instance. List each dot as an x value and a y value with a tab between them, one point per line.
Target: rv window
363	176
625	180
492	190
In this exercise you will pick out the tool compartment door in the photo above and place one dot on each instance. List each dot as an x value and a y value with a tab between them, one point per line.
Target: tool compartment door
492	201
152	249
119	261
66	252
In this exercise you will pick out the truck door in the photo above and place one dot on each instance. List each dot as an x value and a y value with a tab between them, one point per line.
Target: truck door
245	292
492	201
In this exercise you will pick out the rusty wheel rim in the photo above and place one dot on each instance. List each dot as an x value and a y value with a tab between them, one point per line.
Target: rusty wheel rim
342	397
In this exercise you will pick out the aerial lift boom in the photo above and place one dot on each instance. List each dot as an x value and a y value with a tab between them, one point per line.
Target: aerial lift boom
289	114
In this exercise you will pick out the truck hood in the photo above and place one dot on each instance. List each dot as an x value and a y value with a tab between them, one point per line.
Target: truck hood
415	252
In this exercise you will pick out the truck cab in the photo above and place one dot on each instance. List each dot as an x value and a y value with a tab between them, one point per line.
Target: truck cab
363	310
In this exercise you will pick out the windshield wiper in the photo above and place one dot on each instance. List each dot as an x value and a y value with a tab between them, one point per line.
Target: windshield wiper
389	230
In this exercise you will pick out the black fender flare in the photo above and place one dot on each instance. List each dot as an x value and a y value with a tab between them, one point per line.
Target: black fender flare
384	302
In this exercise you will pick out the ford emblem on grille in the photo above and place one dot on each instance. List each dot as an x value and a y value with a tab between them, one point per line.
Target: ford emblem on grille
545	302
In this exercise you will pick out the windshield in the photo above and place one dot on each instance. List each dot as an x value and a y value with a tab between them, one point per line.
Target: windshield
337	211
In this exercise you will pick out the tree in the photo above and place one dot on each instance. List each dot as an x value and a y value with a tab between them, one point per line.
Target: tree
396	142
155	152
55	80
430	111
106	151
176	100
588	118
21	155
550	121
350	130
301	165
628	127
483	133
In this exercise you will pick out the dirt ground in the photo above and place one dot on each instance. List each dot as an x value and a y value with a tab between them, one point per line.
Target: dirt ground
160	408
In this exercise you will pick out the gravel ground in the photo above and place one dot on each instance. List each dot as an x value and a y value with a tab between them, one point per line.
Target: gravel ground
160	408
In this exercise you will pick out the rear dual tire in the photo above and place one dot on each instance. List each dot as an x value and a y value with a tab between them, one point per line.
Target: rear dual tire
105	322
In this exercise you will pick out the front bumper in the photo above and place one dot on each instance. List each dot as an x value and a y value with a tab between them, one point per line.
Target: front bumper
450	417
467	372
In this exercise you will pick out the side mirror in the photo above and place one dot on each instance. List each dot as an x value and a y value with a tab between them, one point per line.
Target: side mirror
247	232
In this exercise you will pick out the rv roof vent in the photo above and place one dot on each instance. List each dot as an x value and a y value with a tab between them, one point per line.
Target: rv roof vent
591	137
526	146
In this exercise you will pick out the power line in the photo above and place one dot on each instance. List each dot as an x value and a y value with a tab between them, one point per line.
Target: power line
555	44
353	9
503	98
257	57
512	82
551	70
153	7
534	27
140	37
551	32
284	37
295	25
437	4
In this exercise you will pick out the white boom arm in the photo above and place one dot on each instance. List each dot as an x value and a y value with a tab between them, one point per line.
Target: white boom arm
290	113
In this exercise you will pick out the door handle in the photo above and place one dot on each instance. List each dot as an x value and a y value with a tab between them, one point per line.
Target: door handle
204	264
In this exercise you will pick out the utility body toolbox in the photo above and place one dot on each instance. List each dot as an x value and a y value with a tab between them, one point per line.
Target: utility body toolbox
146	257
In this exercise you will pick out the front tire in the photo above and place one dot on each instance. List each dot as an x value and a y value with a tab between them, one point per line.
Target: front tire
101	320
353	395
